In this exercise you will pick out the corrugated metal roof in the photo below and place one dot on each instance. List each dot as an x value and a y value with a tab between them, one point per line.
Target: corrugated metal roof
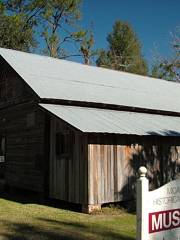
93	120
60	79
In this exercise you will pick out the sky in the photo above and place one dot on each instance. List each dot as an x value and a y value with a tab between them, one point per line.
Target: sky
152	20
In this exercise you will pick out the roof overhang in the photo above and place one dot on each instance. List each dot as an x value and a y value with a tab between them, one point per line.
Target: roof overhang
94	120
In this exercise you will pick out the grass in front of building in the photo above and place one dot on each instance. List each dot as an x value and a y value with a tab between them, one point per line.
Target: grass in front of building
37	222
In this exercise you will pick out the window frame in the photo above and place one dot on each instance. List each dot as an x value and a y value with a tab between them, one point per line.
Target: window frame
64	142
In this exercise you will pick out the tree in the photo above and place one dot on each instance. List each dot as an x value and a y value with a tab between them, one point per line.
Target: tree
124	50
86	47
58	16
55	25
169	68
14	33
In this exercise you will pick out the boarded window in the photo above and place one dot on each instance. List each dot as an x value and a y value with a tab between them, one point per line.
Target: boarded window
60	144
2	149
64	144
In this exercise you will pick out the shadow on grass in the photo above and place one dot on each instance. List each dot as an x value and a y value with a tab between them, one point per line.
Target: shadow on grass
29	197
60	231
97	231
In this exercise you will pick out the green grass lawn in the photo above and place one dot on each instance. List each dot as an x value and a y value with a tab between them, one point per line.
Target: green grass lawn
36	222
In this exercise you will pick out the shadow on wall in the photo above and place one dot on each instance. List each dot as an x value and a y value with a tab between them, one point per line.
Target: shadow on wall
161	158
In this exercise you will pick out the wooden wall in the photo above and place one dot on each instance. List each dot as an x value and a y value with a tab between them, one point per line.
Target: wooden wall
13	89
23	125
113	163
68	173
24	129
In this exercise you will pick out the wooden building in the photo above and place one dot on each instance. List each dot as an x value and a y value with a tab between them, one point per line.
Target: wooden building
79	133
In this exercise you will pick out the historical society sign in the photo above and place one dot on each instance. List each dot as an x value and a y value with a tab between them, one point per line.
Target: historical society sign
158	211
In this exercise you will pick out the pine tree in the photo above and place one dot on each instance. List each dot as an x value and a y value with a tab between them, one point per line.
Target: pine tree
15	32
124	51
54	23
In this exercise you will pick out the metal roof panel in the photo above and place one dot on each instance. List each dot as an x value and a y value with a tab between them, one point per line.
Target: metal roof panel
94	120
61	79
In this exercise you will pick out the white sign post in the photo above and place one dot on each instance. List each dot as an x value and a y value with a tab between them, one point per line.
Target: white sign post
158	211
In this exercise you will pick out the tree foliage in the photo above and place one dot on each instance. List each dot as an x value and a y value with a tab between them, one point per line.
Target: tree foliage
124	50
57	17
54	23
169	68
14	33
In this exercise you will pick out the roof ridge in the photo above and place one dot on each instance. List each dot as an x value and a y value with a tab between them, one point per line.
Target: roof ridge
84	65
101	85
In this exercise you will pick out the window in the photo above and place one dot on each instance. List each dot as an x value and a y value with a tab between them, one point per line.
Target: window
60	144
64	144
2	149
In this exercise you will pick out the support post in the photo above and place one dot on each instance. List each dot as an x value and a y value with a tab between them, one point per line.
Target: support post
142	205
90	208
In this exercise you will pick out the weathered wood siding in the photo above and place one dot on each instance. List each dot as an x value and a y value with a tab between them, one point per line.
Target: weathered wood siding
13	89
24	129
68	174
113	163
23	125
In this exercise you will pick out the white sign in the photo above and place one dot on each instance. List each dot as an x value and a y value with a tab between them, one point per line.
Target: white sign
158	211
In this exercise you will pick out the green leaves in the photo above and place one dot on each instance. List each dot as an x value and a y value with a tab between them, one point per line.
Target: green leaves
15	34
79	34
169	68
87	44
124	51
52	22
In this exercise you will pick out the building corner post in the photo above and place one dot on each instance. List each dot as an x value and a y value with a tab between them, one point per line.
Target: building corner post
142	205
